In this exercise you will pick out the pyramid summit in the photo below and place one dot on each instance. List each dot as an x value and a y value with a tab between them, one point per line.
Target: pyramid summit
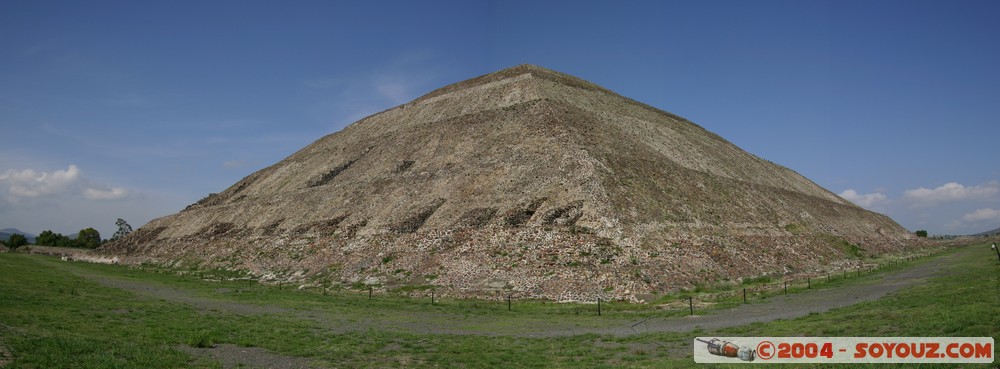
527	182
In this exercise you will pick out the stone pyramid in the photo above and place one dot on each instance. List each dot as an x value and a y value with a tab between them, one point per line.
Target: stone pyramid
527	182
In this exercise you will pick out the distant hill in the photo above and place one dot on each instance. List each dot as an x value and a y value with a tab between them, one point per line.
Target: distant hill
7	232
988	233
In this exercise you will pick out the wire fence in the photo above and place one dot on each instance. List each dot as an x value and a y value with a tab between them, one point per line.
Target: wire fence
690	304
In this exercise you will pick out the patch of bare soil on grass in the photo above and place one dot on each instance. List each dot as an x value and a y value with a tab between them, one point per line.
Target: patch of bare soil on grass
178	295
232	356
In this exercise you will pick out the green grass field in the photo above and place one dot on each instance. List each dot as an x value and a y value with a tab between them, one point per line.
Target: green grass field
55	314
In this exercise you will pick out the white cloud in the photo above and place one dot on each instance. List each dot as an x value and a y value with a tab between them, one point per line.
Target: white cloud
982	215
231	164
951	192
113	193
396	91
29	183
346	99
864	200
17	186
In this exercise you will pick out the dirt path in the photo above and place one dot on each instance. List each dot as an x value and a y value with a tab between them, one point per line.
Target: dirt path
779	307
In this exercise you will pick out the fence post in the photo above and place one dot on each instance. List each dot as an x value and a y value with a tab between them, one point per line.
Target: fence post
744	295
508	302
598	306
809	283
369	292
691	304
432	297
786	288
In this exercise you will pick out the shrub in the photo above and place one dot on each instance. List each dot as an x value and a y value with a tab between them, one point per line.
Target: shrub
757	280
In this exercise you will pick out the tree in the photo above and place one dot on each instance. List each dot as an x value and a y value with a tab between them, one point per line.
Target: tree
123	229
16	240
48	238
88	238
65	241
922	233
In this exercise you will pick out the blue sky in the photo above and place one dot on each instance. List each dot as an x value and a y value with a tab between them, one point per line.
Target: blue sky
135	109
